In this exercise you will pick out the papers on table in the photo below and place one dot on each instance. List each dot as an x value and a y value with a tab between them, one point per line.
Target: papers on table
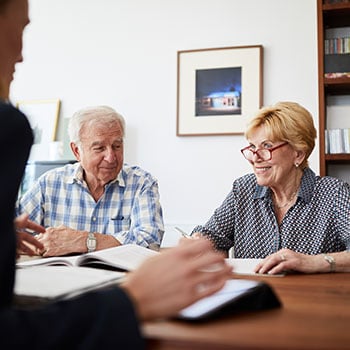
43	283
247	266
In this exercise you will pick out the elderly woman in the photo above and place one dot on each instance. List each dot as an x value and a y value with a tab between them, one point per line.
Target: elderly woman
283	212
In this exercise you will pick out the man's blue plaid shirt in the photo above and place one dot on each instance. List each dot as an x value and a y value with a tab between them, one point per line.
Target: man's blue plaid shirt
129	209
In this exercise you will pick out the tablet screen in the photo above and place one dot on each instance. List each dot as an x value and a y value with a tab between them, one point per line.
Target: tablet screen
231	291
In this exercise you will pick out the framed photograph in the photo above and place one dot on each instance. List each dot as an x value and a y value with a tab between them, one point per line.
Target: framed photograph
43	118
218	89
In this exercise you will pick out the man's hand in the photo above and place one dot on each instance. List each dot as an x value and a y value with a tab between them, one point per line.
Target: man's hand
62	240
26	242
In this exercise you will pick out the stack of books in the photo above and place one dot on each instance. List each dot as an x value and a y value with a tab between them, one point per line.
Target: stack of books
337	141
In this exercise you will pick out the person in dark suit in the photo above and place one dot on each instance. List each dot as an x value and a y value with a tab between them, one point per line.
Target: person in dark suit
104	319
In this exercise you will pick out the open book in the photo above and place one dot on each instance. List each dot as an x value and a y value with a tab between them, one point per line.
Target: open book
48	283
126	257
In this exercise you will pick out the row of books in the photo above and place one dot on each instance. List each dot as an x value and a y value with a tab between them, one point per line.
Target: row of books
337	46
337	141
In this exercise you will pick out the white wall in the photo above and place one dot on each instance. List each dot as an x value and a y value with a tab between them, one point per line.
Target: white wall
123	54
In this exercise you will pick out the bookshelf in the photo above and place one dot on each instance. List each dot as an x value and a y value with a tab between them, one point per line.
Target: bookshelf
333	22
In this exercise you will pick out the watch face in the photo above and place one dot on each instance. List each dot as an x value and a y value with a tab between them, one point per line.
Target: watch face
91	242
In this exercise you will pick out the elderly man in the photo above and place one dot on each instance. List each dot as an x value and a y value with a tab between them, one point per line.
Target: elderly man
98	202
107	319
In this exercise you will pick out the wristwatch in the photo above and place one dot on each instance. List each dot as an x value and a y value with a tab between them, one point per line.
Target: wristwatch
91	242
331	262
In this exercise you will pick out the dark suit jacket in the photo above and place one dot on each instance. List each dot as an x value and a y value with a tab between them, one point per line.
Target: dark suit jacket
102	320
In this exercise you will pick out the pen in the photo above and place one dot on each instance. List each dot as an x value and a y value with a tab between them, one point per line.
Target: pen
183	233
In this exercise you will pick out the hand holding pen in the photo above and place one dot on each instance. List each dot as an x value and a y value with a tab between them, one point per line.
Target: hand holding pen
188	235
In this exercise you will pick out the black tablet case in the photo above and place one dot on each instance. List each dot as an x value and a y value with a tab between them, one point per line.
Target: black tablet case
260	297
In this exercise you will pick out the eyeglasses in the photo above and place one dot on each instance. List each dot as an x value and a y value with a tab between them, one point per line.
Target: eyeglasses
263	154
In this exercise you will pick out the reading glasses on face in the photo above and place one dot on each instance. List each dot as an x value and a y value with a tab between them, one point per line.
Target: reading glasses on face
263	154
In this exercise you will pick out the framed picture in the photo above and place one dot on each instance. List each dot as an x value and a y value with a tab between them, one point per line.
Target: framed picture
218	89
43	118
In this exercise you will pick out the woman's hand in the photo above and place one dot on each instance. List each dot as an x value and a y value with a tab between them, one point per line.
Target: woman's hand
287	260
26	242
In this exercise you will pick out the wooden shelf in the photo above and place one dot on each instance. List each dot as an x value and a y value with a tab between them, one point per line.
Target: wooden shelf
337	85
335	15
338	158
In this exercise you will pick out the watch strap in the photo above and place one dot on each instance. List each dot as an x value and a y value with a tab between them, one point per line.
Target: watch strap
331	262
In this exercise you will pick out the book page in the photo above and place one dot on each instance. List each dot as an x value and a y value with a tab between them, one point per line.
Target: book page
52	261
127	257
52	282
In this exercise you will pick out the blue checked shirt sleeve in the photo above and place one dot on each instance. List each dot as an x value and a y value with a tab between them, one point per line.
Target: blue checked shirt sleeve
30	203
145	223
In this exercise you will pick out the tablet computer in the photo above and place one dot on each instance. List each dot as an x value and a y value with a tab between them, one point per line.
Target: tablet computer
236	296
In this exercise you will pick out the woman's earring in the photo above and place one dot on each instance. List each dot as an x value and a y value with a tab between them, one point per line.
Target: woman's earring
296	165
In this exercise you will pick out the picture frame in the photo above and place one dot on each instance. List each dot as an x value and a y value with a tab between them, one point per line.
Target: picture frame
43	118
218	89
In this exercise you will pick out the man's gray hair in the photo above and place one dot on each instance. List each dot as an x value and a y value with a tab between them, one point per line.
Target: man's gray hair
89	116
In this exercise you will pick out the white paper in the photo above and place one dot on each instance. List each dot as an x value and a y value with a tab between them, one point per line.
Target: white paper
243	266
51	282
247	267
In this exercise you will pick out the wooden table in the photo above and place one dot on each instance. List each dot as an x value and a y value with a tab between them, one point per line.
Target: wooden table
315	315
